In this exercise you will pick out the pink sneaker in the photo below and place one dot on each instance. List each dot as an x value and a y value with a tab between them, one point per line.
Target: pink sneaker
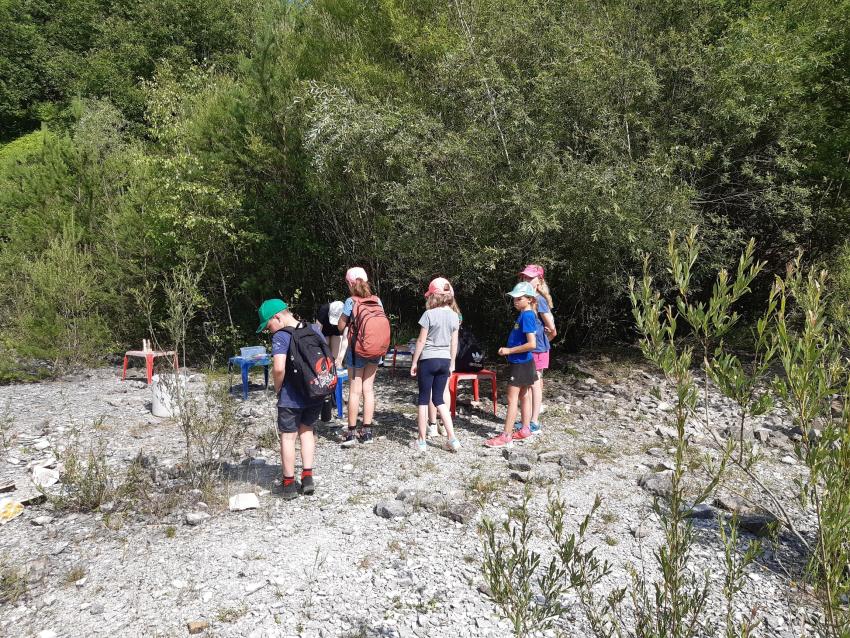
524	433
503	440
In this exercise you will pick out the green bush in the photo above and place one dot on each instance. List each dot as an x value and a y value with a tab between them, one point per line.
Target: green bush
284	143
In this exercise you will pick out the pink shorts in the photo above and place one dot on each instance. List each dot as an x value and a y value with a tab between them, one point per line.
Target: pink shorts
541	360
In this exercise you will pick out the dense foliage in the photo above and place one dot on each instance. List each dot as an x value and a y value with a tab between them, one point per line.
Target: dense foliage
271	145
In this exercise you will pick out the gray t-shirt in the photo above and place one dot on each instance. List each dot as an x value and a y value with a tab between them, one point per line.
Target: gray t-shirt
441	323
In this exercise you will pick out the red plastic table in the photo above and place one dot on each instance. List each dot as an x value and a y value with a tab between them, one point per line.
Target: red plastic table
474	377
148	356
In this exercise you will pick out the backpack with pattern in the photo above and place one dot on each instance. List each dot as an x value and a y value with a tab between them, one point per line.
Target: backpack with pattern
309	363
470	355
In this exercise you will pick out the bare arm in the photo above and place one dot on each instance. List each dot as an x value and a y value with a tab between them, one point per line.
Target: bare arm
454	351
549	324
529	345
420	346
278	371
342	325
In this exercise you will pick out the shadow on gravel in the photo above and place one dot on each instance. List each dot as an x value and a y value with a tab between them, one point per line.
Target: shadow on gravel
362	629
784	555
395	414
235	389
262	475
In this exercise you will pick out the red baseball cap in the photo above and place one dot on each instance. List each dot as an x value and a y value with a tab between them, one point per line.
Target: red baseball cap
440	284
532	270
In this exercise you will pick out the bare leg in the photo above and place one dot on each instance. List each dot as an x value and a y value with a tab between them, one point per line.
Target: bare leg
432	410
333	344
422	416
308	446
537	398
368	385
525	405
355	390
446	416
513	408
287	452
526	402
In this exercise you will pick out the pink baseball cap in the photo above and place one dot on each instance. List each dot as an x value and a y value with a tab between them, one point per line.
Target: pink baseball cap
532	270
440	284
354	273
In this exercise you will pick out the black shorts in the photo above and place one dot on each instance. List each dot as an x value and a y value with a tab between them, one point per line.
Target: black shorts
330	330
288	419
522	374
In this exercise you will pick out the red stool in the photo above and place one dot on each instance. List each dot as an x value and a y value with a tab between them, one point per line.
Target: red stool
148	356
474	376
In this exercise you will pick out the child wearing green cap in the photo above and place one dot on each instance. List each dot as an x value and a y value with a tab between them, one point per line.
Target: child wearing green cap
295	413
521	375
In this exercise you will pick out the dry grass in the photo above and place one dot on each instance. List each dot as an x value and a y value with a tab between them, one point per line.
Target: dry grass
269	439
74	574
86	480
13	583
481	488
231	614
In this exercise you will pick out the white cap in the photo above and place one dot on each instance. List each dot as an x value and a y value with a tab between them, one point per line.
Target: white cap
335	312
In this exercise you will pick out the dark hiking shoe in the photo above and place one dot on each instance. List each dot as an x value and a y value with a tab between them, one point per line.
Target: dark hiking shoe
366	436
349	438
291	491
307	486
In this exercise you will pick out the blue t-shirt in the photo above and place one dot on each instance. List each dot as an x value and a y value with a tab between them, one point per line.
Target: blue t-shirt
542	339
290	396
525	323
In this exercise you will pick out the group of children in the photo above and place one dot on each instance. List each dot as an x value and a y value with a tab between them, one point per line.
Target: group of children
357	335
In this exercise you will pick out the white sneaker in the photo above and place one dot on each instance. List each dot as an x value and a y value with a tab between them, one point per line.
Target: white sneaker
432	430
453	445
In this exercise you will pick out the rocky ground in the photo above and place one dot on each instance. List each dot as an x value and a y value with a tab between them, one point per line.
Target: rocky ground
390	545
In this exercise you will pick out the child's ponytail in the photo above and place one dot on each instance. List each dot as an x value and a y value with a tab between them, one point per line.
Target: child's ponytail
361	289
543	289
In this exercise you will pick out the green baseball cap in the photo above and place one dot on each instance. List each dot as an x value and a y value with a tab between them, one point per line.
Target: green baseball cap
268	309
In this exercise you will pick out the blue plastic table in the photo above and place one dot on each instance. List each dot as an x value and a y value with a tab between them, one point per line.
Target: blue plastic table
246	364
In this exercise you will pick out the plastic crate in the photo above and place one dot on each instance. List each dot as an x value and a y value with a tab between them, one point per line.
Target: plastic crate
252	351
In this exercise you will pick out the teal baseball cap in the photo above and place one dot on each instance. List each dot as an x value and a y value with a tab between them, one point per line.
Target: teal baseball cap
268	309
523	289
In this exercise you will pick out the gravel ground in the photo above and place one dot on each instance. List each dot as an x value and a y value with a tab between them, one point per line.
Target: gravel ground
327	565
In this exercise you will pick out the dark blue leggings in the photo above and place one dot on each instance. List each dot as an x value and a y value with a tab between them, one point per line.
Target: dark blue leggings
433	374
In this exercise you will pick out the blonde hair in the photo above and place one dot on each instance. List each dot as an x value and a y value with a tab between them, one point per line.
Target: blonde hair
439	299
360	288
455	307
543	290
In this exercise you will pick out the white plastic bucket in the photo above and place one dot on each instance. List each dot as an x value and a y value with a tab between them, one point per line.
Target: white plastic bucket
164	403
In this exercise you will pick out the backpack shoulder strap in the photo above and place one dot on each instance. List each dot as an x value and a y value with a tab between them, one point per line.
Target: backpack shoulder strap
353	318
299	329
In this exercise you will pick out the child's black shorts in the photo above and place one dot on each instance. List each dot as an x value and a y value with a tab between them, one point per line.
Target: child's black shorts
288	419
522	374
